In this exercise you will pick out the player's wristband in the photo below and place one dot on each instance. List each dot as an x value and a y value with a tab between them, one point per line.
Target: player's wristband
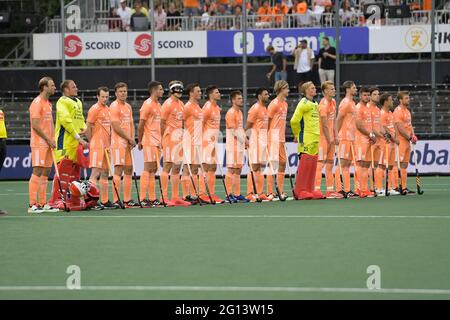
77	137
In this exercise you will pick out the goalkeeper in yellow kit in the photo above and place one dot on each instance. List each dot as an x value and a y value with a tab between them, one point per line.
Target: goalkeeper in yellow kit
306	129
69	129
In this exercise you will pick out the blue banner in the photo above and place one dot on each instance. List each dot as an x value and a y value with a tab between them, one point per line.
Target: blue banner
229	43
17	163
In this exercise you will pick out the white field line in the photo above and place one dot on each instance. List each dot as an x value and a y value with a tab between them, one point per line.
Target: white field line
230	289
213	216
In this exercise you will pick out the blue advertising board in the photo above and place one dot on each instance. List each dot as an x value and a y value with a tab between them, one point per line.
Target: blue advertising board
229	43
17	163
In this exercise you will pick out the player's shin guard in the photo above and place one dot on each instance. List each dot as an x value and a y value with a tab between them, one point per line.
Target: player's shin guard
229	181
127	186
337	179
236	184
143	188
211	175
269	184
404	177
318	175
280	181
104	194
185	181
43	190
165	185
329	179
33	189
117	181
346	178
175	182
151	186
379	174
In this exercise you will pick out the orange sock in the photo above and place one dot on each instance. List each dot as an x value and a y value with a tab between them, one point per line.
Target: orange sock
192	187
229	182
379	174
357	177
393	180
236	184
201	182
364	178
143	185
259	182
43	190
104	190
249	183
33	189
211	182
185	181
337	179
269	184
151	186
280	181
117	182
175	182
404	177
318	175
329	180
127	183
346	178
165	185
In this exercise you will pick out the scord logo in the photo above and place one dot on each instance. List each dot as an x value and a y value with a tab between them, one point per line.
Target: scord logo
143	45
238	43
416	38
72	46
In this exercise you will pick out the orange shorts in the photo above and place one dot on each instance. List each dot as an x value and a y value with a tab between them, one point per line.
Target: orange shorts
391	155
209	154
257	154
192	153
121	157
277	152
151	153
345	150
41	157
378	148
172	150
325	153
404	150
97	159
362	151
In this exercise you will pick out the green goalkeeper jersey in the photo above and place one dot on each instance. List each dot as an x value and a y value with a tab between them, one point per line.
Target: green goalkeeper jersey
305	126
69	122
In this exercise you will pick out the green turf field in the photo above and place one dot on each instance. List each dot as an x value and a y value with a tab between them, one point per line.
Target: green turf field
290	250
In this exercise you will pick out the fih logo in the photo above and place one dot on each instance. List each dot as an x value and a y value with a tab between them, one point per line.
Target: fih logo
416	38
143	45
72	46
238	43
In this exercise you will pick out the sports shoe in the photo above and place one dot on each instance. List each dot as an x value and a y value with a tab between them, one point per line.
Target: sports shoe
408	191
146	203
35	209
317	195
204	198
241	198
351	194
109	205
119	204
265	198
216	199
334	195
3	212
155	203
357	192
366	194
381	193
131	204
393	192
343	193
192	200
48	208
251	197
230	199
178	202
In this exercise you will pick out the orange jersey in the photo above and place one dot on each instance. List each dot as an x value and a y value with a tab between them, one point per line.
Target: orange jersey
328	109
41	109
277	111
100	118
211	120
387	120
376	117
234	120
150	112
363	114
193	121
122	113
259	117
347	109
172	113
403	115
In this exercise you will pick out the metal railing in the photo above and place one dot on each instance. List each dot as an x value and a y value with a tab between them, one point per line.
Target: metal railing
289	21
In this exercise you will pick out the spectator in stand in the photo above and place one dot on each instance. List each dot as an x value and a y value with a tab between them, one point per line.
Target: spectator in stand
124	13
222	23
235	3
114	20
292	11
326	20
327	61
114	3
303	62
160	17
225	4
347	14
278	65
137	14
237	13
304	14
173	15
142	9
280	10
191	8
208	21
318	8
265	17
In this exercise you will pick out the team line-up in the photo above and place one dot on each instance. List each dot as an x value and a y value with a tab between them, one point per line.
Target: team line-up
371	135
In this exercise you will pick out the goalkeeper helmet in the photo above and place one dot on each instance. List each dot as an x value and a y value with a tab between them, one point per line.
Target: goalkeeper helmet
78	189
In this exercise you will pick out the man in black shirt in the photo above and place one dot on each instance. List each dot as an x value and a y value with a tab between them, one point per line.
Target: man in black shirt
279	65
327	61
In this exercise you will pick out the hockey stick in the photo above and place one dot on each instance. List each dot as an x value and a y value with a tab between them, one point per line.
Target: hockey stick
113	182
63	198
418	180
135	178
158	159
